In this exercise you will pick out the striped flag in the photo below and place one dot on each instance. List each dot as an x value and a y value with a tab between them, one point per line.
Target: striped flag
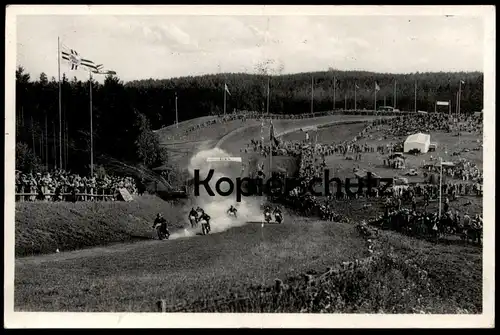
377	88
356	85
226	88
99	70
461	81
75	60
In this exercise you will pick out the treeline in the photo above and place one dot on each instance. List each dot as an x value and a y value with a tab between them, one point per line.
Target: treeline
120	130
125	113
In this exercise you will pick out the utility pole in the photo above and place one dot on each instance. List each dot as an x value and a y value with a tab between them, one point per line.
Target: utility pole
312	94
334	92
415	96
176	112
394	97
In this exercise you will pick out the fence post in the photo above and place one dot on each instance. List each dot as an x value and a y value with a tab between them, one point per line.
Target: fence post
161	305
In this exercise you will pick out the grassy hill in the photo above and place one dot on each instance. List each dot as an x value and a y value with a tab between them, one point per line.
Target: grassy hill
131	279
194	274
44	227
240	266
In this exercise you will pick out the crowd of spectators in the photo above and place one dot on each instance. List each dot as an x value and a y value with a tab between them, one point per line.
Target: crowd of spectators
60	185
466	177
244	115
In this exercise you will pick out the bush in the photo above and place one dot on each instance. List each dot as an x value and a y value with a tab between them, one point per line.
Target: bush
148	147
26	160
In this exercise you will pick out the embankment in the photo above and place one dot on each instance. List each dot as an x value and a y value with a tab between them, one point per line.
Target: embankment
43	227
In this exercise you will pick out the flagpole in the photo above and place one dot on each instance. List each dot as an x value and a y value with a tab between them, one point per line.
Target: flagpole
312	93
176	112
355	98
271	153
224	98
334	96
394	102
63	143
60	105
345	101
67	144
384	101
459	96
375	104
415	96
55	140
268	93
440	184
46	144
33	134
91	130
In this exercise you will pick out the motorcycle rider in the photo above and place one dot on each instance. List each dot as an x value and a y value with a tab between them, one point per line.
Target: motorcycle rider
277	213
206	218
192	216
160	220
267	212
232	210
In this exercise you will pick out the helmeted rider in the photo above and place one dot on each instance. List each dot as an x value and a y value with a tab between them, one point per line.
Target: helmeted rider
267	211
193	212
199	213
160	220
232	210
277	213
192	216
205	217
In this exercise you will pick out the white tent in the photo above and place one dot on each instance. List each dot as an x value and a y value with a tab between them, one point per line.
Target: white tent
418	141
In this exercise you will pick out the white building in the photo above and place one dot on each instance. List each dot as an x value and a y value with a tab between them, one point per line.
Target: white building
418	141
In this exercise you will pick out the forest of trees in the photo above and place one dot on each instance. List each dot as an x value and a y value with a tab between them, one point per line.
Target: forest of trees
124	114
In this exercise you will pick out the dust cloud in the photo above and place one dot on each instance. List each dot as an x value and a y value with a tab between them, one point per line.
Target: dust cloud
216	206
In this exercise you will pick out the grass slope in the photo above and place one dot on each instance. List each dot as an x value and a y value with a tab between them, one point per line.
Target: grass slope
185	269
197	271
402	276
44	227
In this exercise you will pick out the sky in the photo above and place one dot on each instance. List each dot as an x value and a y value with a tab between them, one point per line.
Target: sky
167	46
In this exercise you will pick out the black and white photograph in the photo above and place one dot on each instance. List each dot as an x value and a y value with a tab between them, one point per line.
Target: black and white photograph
249	166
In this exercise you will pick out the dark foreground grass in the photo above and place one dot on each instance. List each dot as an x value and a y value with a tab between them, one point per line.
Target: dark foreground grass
134	277
235	271
402	276
43	227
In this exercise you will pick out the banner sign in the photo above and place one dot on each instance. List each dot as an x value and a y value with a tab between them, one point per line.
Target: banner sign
125	194
442	103
224	159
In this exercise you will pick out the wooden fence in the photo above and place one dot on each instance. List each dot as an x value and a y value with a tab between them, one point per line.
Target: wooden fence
63	196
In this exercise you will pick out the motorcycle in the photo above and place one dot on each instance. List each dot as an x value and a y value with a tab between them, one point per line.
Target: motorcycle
162	235
267	217
279	218
205	228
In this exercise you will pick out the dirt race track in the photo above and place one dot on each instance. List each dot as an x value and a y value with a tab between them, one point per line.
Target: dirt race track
133	276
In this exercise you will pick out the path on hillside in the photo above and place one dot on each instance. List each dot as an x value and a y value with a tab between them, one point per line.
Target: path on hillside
231	143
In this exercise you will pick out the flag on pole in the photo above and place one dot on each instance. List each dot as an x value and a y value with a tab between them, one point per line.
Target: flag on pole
75	60
461	81
272	136
226	88
377	88
356	85
99	70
